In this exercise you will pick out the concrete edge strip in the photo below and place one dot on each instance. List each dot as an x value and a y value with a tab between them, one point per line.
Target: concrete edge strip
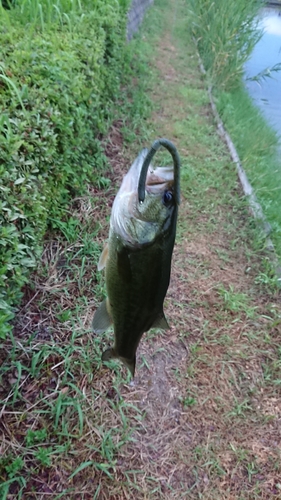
254	205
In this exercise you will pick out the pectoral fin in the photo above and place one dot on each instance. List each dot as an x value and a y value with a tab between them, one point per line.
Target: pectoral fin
161	322
102	319
103	258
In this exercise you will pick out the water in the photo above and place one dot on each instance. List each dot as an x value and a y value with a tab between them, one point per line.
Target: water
267	53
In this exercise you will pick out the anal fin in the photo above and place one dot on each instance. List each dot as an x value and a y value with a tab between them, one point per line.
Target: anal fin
161	322
102	319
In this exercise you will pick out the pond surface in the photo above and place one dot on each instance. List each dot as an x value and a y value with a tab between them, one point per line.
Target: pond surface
267	53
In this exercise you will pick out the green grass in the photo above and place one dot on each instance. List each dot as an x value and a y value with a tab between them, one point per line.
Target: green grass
226	34
257	146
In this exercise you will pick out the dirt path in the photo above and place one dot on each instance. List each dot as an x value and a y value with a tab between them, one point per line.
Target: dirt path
212	421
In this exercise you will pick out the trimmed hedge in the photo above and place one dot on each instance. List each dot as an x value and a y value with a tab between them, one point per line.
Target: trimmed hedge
60	71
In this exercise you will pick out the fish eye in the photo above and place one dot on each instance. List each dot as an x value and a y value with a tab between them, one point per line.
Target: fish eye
168	197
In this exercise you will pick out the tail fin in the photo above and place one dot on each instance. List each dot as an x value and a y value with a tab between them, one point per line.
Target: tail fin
129	363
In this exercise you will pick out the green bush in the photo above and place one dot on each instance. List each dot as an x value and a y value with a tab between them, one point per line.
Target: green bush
60	71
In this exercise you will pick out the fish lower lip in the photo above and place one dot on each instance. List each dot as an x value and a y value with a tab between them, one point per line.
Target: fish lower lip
156	182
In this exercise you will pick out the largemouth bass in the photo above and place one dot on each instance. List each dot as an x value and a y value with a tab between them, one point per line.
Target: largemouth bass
137	257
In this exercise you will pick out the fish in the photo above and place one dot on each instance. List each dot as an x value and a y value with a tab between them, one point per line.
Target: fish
137	256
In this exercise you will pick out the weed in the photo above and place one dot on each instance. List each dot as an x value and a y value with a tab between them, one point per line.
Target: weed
236	301
15	467
33	437
226	35
189	401
239	409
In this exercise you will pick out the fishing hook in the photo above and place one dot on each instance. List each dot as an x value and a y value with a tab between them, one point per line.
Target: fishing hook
174	153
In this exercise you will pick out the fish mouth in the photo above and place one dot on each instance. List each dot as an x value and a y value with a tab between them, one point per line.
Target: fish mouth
159	179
